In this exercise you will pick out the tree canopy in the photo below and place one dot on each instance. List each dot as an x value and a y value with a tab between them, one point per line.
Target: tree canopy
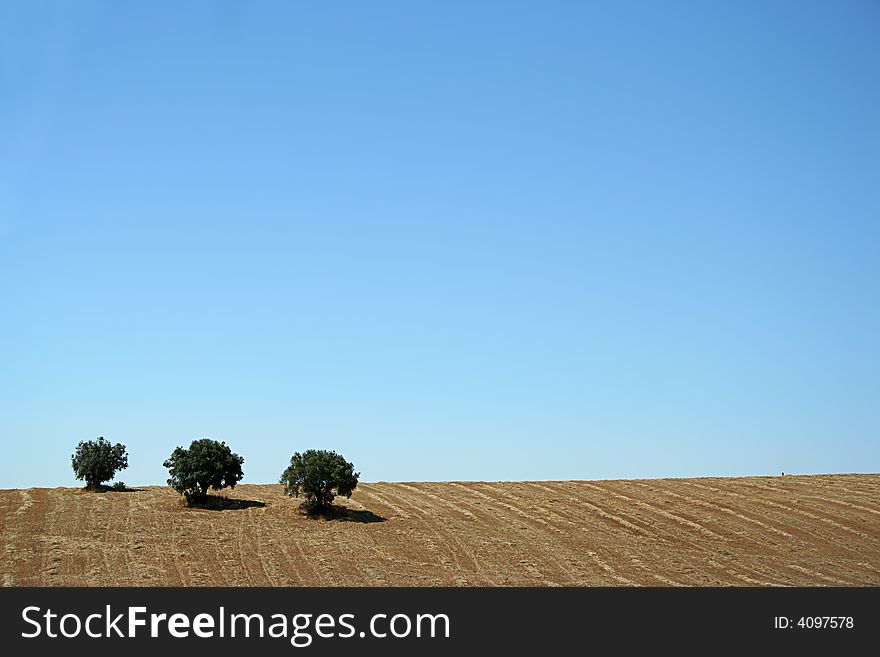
319	475
97	461
206	464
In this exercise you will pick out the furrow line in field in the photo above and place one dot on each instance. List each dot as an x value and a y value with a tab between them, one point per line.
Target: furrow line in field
501	528
754	568
470	558
848	505
248	551
684	551
804	496
751	580
376	496
182	579
810	529
269	554
813	516
722	509
612	533
791	528
650	573
551	546
814	574
27	502
49	539
657	531
262	552
612	573
304	572
732	572
438	500
513	509
609	529
133	542
602	513
434	551
666	514
350	557
294	569
616	528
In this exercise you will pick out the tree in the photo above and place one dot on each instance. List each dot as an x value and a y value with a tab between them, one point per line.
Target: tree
206	464
319	475
97	461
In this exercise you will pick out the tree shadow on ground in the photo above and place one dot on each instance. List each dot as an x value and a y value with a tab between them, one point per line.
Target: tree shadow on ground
116	488
344	514
362	516
216	503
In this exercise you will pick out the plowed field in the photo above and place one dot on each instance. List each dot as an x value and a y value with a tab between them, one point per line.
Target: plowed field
760	531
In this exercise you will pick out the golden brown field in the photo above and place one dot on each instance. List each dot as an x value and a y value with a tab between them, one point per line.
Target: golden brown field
794	530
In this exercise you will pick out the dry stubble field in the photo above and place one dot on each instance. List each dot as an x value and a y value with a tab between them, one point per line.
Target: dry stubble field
794	530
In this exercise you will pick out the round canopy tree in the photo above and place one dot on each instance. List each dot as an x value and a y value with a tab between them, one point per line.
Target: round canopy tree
97	461
319	475
206	464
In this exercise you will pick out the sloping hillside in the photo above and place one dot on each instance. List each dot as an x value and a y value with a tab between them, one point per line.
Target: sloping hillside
793	530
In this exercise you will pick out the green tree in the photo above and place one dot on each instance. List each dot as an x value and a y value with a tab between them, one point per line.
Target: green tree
319	475
206	464
97	461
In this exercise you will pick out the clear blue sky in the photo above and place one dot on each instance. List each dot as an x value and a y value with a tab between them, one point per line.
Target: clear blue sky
450	240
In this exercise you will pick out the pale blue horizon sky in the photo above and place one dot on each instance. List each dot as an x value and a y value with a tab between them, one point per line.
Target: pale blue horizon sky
452	241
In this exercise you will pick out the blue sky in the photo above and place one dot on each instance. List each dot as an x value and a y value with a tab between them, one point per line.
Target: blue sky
457	240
